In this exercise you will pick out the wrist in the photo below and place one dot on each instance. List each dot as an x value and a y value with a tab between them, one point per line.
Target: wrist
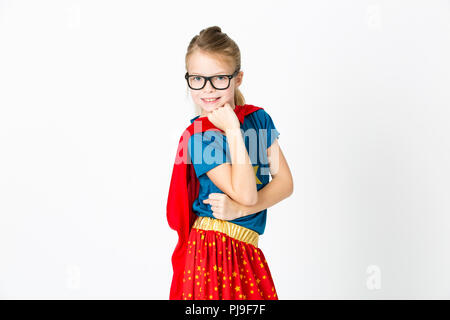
233	129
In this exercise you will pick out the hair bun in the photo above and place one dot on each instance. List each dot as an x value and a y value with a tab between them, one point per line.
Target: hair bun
211	29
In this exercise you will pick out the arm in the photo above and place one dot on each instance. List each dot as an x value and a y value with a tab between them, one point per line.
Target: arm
280	187
237	179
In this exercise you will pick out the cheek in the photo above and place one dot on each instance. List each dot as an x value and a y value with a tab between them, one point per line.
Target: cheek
227	94
195	95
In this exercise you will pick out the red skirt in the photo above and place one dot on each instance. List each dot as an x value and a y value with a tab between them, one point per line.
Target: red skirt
224	262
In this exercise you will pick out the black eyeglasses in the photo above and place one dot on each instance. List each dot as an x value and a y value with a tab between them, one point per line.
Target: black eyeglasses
219	82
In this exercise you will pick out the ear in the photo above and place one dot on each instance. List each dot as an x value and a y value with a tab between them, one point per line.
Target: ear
239	78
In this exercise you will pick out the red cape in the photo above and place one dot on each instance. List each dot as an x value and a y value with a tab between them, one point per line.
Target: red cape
183	190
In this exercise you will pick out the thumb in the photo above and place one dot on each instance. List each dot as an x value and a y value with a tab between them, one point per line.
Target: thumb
206	201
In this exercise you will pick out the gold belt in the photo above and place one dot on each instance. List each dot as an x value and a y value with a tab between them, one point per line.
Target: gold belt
231	229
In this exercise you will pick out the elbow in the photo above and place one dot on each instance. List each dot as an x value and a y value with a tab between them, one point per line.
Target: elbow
286	185
289	187
291	191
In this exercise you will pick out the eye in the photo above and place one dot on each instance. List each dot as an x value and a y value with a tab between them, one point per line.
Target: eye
220	77
196	78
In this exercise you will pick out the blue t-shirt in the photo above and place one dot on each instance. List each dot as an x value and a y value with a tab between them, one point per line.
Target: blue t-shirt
210	148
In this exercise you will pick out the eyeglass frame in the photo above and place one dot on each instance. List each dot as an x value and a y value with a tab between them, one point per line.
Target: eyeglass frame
229	76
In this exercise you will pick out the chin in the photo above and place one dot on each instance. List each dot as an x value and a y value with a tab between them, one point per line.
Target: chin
209	108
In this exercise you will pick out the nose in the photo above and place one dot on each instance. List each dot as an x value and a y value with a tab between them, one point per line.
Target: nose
208	86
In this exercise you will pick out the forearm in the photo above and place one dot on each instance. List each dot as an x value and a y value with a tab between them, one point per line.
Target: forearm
275	191
242	174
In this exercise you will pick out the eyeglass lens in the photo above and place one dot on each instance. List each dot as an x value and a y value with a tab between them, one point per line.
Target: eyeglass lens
219	82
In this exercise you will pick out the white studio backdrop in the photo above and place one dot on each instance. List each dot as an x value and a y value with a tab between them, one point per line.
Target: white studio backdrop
93	102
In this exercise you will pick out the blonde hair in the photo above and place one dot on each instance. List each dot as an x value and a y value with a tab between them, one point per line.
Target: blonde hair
213	41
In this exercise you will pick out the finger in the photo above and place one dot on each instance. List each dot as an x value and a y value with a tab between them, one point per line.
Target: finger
215	215
215	195
218	215
212	202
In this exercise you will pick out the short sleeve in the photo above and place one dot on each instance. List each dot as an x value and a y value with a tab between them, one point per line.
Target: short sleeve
270	132
207	150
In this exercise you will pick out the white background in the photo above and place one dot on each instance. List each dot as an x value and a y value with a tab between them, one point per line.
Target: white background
93	102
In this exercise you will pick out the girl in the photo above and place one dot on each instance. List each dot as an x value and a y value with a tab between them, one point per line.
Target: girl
220	187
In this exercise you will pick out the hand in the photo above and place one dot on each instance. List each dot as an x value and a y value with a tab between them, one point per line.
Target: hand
224	118
223	207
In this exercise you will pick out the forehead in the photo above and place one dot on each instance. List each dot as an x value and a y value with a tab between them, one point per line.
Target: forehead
207	64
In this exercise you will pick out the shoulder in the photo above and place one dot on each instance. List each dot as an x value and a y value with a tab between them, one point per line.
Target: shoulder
261	118
261	114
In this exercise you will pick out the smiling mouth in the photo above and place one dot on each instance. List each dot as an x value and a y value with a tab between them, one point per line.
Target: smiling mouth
210	100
